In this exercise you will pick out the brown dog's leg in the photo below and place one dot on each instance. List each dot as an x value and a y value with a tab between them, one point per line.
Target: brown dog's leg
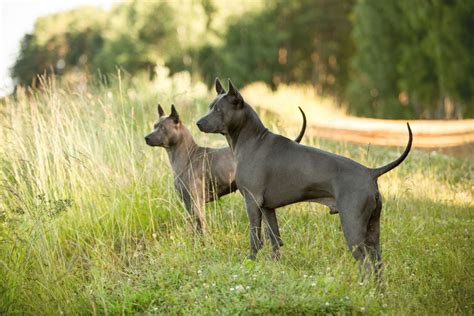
194	207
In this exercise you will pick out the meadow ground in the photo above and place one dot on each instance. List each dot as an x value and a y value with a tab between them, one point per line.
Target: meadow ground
90	222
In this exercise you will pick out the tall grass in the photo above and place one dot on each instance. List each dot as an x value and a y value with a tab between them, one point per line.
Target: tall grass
90	222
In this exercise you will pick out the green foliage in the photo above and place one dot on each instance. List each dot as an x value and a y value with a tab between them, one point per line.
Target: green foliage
436	64
248	53
137	36
284	42
317	43
375	78
413	59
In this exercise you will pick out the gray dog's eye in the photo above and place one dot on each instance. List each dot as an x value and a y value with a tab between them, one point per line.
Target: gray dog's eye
218	109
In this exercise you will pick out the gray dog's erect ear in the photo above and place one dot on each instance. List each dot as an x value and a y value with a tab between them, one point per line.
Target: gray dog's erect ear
219	87
235	94
174	114
160	111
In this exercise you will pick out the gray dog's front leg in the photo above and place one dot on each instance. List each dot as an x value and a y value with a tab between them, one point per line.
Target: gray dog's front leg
255	219
273	231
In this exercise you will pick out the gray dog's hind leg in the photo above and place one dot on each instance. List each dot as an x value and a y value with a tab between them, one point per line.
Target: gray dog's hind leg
254	214
273	231
355	213
373	241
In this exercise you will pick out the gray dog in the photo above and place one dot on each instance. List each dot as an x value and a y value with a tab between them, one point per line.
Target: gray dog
201	174
273	171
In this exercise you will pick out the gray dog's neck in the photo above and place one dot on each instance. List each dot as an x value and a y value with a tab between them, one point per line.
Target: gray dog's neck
181	153
249	127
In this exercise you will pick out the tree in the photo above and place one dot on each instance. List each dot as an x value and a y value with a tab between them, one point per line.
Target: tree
413	58
303	41
137	34
373	87
438	44
59	43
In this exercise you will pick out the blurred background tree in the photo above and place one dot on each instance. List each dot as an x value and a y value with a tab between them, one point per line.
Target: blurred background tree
392	59
303	41
60	43
413	59
137	35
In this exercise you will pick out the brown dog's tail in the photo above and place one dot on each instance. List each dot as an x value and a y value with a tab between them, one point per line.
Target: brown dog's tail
377	172
303	128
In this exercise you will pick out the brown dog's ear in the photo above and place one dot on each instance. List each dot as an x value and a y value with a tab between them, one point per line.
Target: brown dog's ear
174	114
235	94
219	87
160	111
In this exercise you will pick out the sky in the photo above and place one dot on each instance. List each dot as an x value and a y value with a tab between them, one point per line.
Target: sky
17	18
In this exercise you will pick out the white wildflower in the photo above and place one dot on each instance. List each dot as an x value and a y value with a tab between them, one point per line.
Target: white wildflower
239	288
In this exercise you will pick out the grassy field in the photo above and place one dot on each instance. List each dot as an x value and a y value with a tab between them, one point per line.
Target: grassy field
90	222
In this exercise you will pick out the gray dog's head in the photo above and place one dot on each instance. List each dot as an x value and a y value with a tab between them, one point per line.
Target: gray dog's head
167	131
224	111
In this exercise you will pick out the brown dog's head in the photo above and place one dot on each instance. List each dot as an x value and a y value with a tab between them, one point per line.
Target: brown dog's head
167	131
224	112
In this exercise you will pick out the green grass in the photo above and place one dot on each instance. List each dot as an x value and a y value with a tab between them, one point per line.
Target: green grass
90	223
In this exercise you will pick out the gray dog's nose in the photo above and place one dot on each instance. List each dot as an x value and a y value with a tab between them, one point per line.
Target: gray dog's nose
147	139
199	124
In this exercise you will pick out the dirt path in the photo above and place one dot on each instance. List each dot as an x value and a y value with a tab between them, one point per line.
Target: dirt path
429	134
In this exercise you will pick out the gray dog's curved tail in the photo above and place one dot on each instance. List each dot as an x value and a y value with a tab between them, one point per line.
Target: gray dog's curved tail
377	172
303	128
